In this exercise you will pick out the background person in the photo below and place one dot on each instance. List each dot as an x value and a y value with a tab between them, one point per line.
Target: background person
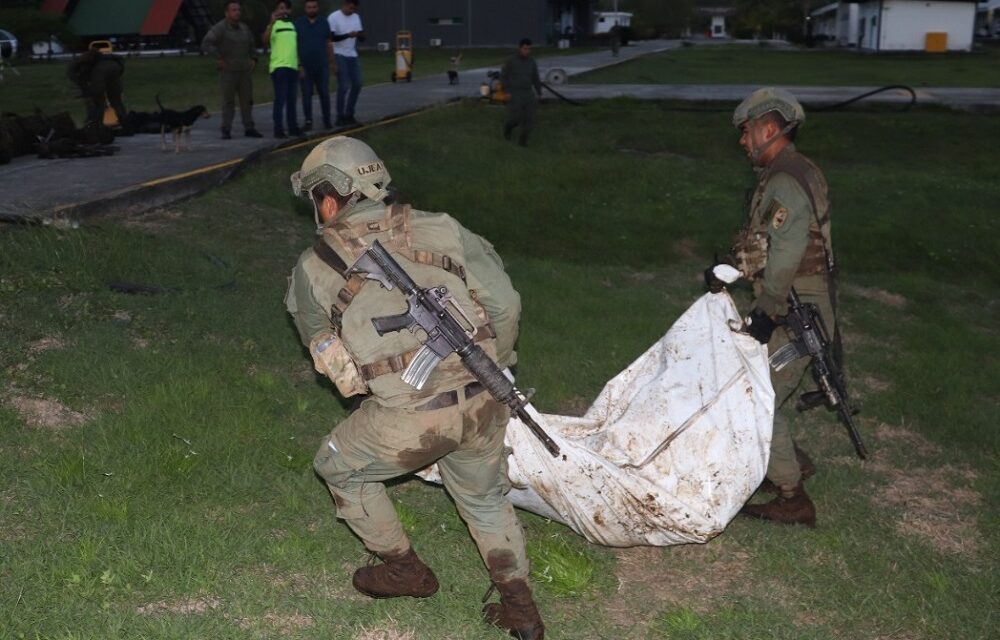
315	58
284	68
397	429
519	77
345	24
231	42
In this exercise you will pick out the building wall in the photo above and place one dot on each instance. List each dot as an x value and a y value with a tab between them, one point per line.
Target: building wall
906	23
847	24
458	23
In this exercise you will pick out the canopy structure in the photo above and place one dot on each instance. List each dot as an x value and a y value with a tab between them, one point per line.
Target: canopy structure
122	17
671	449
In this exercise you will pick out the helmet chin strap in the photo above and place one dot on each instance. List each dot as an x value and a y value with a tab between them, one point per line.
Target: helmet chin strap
320	225
757	153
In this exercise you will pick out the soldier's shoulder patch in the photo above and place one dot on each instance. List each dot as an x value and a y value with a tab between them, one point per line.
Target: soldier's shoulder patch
779	217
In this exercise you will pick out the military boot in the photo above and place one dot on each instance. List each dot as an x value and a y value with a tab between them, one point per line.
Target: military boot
516	612
806	468
400	575
792	506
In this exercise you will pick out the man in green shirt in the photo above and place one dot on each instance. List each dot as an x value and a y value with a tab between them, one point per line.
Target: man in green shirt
284	68
231	42
452	420
519	77
785	242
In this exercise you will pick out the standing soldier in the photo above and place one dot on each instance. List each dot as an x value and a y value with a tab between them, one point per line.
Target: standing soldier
231	41
519	78
397	429
785	242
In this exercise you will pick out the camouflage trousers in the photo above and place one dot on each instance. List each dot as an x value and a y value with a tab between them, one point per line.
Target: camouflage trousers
377	443
789	383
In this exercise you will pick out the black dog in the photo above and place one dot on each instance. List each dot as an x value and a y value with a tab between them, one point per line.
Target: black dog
179	123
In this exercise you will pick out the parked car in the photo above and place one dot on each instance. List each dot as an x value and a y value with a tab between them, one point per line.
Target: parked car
8	45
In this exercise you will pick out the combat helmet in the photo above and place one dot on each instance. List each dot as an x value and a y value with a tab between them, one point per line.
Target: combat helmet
350	166
766	100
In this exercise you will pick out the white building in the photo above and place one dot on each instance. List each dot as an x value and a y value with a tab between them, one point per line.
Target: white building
605	20
905	25
836	24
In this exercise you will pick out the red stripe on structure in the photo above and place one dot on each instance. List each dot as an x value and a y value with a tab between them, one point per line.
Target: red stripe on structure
160	17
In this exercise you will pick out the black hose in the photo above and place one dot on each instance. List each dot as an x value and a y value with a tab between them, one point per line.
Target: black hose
891	87
561	96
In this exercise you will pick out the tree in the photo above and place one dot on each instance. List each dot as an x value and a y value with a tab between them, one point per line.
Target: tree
765	18
657	18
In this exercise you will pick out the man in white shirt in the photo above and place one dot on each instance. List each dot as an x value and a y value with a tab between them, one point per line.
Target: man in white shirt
346	30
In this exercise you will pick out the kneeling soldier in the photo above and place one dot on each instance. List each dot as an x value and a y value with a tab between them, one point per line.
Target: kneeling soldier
397	429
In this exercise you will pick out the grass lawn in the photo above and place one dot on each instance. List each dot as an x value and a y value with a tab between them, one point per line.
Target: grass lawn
185	81
158	483
743	64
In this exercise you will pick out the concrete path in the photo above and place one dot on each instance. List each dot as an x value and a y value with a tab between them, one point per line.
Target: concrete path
142	176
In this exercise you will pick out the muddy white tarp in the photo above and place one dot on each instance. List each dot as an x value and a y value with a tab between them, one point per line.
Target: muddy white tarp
670	450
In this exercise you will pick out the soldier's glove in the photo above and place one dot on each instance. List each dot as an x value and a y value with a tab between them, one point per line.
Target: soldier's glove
760	326
712	281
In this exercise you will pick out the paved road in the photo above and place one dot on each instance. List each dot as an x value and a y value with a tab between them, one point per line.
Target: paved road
141	176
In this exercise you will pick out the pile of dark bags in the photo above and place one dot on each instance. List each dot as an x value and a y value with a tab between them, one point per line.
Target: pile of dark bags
55	136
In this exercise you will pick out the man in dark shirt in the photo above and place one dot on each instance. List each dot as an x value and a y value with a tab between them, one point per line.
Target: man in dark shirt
315	57
519	78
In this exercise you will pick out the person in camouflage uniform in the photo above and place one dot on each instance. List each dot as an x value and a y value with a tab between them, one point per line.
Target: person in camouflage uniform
397	429
232	43
784	242
519	78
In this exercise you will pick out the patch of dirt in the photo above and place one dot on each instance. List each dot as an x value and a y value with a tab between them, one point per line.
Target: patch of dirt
154	220
934	504
903	437
385	631
279	623
641	276
184	606
46	413
686	248
893	300
659	153
875	385
121	316
573	406
692	576
49	343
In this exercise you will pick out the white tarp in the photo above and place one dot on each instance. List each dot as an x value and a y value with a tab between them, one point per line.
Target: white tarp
670	450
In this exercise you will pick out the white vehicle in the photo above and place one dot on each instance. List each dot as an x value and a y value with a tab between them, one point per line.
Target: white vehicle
8	45
43	48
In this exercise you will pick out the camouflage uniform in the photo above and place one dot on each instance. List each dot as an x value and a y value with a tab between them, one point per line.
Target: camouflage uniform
234	45
398	429
785	243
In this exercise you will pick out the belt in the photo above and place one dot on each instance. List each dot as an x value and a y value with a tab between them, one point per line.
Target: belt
450	398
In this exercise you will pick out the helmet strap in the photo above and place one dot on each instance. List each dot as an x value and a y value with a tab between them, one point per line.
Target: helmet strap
757	153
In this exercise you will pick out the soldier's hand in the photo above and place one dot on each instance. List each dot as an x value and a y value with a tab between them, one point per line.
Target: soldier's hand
760	326
712	281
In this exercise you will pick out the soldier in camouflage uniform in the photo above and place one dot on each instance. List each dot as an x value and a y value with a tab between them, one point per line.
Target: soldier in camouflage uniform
785	242
397	429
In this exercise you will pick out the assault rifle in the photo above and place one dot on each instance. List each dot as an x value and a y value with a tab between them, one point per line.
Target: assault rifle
810	338
429	311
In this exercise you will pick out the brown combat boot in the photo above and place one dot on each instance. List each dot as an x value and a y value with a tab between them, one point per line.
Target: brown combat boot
792	506
806	468
399	575
516	612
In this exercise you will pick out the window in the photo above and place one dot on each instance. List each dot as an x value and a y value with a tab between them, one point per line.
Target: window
444	22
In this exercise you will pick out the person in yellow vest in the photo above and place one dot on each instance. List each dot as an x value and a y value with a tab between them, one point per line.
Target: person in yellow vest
284	69
452	420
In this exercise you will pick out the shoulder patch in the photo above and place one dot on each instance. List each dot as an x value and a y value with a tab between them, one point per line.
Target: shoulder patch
779	217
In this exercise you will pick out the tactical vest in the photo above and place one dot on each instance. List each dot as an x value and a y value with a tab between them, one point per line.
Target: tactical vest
343	242
750	246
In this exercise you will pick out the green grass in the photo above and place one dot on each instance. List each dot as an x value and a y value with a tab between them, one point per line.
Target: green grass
742	64
185	506
192	79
